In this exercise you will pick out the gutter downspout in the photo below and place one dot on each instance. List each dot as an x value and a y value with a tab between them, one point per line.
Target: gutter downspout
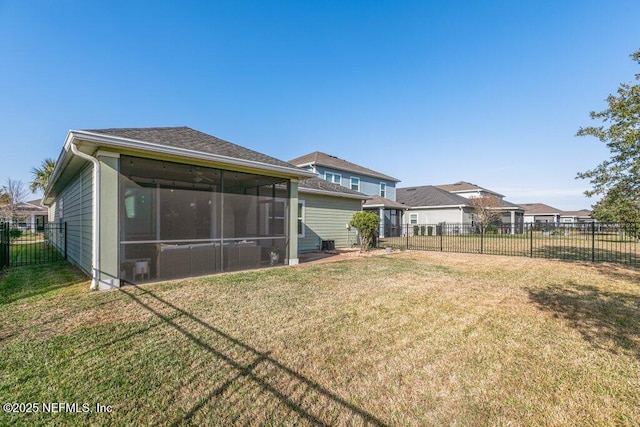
95	279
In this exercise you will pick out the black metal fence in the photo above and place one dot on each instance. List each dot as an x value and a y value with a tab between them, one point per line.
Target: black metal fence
4	245
19	246
595	242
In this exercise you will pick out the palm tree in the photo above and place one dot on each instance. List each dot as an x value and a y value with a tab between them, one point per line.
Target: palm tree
42	175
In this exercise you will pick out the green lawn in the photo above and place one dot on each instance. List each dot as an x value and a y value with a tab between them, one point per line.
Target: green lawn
33	248
607	247
406	339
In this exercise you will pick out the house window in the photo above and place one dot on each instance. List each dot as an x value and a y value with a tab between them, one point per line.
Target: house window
355	183
413	218
336	178
383	189
301	218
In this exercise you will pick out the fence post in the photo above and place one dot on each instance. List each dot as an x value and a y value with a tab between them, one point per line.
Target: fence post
531	239
441	236
593	242
481	237
406	232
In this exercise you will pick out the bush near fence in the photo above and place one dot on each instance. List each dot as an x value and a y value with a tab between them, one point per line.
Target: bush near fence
595	242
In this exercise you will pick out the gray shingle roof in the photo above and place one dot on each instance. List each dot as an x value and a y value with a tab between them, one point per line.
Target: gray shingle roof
462	186
323	185
323	159
538	208
581	212
429	195
377	201
191	139
506	204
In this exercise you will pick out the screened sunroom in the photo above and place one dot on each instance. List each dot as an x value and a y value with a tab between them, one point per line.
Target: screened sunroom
179	220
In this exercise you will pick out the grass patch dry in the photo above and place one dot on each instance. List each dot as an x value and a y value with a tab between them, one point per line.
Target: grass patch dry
407	339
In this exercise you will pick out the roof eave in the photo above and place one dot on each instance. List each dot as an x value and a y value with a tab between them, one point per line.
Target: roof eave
133	144
110	141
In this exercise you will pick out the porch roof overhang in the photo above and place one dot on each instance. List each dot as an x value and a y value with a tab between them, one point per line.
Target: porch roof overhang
91	143
376	202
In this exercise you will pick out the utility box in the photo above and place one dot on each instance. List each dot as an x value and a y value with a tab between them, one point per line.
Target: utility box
328	245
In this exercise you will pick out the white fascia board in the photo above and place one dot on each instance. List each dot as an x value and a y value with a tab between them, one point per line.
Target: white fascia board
332	193
301	165
126	143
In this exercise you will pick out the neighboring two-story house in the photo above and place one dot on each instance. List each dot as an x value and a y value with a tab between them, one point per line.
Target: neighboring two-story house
381	187
510	213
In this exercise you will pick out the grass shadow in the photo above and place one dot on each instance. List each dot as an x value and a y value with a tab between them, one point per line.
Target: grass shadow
607	320
588	254
252	371
17	283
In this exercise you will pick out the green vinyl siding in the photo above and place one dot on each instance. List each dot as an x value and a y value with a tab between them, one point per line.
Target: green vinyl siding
74	205
325	218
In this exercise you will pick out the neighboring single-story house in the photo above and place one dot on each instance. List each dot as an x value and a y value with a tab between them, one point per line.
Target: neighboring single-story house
30	215
358	178
158	203
539	213
576	217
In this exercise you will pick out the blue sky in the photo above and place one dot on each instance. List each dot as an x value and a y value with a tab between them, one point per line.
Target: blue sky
431	92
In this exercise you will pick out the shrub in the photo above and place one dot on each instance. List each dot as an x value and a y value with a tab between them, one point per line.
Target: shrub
15	233
367	224
430	230
491	229
416	230
422	230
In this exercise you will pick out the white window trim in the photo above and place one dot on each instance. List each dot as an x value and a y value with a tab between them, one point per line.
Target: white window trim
358	183
411	217
383	185
334	175
302	217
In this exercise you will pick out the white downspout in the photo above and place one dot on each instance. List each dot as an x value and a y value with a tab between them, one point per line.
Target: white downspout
95	279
